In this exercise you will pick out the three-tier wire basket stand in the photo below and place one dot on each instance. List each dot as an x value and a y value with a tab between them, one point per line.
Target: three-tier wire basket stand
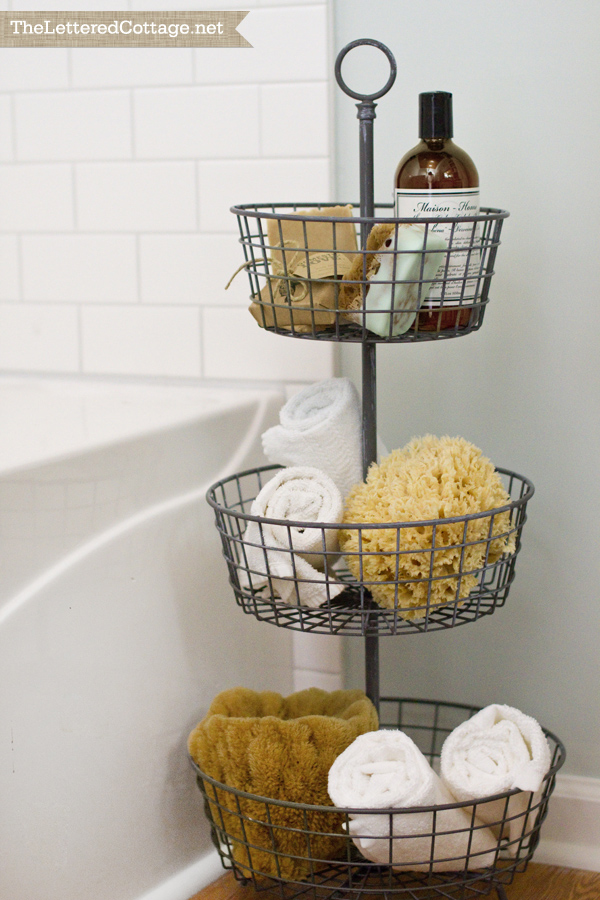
465	571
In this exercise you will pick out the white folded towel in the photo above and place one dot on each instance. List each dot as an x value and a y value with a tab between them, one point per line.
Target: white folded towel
498	749
320	426
290	557
386	770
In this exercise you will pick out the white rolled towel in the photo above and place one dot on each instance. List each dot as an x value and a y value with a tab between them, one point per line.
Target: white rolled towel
386	770
320	426
498	749
292	557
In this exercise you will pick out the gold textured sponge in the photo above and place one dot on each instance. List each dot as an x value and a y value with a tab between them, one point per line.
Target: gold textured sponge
430	478
281	748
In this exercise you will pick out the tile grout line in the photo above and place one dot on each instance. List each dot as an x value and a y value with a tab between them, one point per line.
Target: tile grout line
129	304
177	85
110	233
171	160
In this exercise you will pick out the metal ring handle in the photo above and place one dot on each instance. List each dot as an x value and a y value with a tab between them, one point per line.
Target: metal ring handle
362	42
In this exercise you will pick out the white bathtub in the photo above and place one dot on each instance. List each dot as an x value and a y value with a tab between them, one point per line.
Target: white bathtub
117	628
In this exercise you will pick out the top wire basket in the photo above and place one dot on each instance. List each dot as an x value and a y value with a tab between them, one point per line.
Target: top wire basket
309	279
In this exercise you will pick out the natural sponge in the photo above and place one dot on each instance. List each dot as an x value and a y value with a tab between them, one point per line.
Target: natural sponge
429	478
281	748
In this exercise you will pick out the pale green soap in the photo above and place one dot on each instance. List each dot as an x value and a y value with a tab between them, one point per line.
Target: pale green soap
407	271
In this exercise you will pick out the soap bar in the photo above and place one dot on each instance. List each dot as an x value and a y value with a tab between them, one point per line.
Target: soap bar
403	279
307	260
300	238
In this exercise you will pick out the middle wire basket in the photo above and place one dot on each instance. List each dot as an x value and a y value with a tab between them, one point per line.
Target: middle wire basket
302	850
371	579
309	279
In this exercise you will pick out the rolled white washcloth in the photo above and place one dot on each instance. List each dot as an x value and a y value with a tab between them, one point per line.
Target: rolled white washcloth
386	770
320	426
291	556
498	749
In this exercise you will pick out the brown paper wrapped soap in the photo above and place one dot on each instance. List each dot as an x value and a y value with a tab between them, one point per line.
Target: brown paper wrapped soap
307	259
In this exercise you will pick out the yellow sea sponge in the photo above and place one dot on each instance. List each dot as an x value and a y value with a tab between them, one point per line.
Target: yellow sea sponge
281	748
429	478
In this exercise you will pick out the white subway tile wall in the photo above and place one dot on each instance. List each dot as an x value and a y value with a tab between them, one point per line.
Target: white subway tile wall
36	198
44	125
117	171
136	196
9	267
131	67
256	180
135	340
293	119
39	337
178	123
192	268
290	45
29	68
6	136
70	4
234	347
80	268
194	4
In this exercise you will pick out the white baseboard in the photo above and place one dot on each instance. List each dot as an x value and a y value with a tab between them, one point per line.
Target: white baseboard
571	833
189	881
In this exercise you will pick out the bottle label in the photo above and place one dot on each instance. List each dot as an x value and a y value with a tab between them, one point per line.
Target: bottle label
460	267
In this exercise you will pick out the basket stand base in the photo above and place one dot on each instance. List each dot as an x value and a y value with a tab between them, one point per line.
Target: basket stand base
500	892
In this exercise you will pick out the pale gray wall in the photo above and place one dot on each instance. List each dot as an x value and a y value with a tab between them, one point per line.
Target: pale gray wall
526	85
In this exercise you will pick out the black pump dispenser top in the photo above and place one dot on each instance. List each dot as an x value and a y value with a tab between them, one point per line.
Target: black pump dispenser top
435	115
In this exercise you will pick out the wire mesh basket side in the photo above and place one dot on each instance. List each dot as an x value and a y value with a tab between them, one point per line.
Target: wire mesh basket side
455	850
368	579
308	277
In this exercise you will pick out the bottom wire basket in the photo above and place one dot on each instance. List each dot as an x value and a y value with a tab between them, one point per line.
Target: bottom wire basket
295	849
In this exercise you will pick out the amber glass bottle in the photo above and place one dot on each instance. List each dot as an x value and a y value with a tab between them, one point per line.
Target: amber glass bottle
438	179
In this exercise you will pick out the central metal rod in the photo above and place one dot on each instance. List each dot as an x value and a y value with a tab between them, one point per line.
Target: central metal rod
366	115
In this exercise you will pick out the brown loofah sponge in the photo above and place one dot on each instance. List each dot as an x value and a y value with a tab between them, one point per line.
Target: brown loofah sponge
281	748
430	478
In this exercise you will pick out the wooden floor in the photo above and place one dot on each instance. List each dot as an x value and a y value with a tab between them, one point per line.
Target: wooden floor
537	883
